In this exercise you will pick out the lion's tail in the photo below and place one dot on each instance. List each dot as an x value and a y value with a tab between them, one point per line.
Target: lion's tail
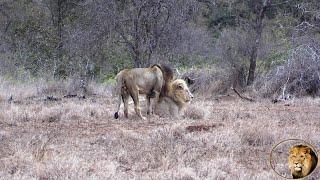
167	72
118	93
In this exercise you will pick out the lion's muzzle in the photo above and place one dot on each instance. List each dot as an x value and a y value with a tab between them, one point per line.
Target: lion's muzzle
190	96
297	167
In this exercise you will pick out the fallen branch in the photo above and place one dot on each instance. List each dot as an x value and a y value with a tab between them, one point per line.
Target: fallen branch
70	96
242	97
52	98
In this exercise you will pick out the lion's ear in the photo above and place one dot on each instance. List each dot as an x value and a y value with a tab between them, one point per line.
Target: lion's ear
291	151
180	86
308	150
189	80
305	149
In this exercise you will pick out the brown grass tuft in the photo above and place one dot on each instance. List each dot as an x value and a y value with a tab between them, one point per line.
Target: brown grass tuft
253	138
194	112
202	127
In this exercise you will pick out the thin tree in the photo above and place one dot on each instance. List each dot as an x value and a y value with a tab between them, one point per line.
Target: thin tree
260	10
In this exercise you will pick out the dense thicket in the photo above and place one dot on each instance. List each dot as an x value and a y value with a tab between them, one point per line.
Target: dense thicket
247	39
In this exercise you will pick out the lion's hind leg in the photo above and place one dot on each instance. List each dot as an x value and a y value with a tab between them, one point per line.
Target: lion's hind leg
125	99
124	96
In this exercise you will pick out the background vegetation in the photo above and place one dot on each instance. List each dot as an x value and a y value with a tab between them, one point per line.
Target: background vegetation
265	43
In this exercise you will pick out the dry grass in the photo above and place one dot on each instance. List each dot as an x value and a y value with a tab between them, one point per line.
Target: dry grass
79	139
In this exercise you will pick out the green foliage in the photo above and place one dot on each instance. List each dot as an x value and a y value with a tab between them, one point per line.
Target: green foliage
273	60
222	17
38	39
109	79
29	34
117	59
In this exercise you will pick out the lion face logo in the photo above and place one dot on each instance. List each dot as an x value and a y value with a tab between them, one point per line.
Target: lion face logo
302	161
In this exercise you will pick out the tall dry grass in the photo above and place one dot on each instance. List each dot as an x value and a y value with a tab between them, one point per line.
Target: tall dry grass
76	138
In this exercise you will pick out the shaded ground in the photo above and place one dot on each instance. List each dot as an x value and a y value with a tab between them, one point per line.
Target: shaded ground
79	139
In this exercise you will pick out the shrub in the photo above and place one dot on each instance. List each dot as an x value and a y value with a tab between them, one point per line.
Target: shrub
208	82
298	76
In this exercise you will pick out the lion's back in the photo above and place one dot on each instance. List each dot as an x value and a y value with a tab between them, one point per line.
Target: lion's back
142	79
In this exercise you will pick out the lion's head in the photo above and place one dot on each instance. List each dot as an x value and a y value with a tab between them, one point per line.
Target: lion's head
180	92
174	101
302	161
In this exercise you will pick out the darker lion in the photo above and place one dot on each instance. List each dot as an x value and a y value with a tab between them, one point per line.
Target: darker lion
152	82
302	161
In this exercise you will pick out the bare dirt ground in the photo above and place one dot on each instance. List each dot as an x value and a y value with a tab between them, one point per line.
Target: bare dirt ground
215	139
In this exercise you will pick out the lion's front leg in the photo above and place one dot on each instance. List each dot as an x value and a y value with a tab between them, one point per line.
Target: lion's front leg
148	104
156	103
135	97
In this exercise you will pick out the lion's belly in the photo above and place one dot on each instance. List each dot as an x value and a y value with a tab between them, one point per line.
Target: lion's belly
145	85
144	88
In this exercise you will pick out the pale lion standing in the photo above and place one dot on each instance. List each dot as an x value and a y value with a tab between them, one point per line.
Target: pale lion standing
149	81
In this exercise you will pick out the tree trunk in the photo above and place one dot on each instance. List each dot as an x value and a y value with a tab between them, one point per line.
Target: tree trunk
253	61
137	60
258	27
58	23
239	78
